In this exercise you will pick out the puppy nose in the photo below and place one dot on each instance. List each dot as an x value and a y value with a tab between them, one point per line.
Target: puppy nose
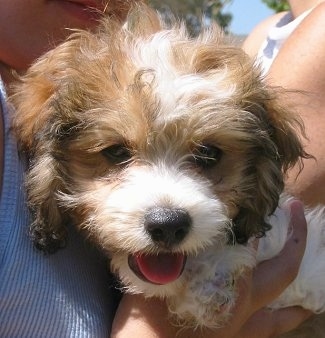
167	227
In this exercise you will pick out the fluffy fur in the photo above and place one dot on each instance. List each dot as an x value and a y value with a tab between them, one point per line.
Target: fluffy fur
163	146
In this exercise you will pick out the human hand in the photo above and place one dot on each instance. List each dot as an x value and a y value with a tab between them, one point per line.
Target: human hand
261	286
146	318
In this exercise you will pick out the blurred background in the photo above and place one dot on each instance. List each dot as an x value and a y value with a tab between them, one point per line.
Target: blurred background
237	17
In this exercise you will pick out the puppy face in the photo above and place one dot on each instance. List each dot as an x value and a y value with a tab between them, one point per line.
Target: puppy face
155	144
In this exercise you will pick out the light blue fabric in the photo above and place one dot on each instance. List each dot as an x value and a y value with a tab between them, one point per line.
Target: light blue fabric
67	294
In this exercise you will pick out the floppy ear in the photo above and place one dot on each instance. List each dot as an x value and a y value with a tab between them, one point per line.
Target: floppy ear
279	150
286	128
33	112
37	125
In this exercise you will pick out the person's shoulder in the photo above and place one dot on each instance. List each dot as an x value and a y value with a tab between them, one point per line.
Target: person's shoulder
316	16
318	10
311	30
307	43
257	36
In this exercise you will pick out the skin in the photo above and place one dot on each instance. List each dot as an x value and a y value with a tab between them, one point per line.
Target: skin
28	28
31	27
36	29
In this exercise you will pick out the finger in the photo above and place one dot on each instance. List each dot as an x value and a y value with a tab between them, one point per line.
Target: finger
271	277
298	226
265	323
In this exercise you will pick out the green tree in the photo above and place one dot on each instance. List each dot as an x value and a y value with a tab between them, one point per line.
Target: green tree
192	12
277	5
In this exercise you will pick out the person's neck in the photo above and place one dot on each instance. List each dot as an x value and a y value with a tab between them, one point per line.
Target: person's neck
298	7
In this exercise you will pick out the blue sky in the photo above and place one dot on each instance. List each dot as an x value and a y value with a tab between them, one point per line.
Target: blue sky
246	14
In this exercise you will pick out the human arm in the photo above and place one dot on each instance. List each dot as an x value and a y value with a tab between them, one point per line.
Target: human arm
140	318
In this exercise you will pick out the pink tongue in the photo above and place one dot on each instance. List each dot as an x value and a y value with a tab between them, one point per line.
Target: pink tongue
162	268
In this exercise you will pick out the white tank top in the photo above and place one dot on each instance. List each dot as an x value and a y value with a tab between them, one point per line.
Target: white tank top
276	37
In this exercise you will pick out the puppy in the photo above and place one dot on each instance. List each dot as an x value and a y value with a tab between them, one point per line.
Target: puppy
169	152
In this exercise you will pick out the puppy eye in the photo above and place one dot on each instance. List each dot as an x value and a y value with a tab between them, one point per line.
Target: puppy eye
206	156
117	153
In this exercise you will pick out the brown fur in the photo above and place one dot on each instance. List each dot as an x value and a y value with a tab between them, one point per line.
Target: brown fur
86	95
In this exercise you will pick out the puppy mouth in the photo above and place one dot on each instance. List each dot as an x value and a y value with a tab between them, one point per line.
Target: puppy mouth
160	269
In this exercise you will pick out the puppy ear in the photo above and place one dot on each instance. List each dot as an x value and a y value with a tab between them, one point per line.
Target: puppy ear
47	230
286	129
277	151
34	123
33	117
